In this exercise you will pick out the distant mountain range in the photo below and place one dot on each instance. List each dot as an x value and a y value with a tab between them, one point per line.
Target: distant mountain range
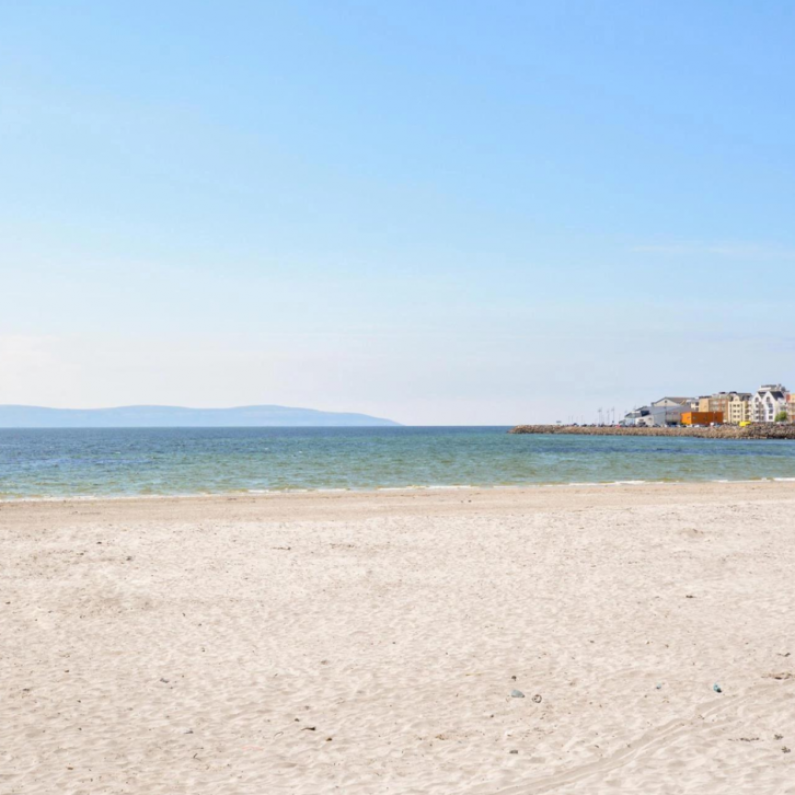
179	417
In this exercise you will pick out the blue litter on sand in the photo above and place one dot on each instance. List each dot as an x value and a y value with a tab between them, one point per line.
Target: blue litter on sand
717	688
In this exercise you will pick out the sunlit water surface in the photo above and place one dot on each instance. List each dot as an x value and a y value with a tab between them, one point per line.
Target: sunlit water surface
119	462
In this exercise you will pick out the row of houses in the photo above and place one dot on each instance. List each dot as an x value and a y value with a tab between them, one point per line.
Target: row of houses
770	403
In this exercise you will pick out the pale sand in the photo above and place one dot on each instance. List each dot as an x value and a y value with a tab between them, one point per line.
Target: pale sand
369	643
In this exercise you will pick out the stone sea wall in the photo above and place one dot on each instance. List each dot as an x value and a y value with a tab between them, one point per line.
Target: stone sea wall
757	431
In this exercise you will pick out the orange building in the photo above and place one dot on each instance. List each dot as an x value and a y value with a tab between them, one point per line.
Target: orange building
702	418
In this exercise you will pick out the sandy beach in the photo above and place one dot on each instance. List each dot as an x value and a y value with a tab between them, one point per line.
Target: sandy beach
370	643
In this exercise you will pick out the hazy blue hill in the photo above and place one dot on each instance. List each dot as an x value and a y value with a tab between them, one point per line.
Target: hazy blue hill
177	417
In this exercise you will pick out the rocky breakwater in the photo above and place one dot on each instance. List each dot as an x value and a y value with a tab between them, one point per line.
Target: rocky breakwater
756	431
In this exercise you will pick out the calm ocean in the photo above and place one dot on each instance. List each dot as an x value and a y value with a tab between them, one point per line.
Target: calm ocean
117	462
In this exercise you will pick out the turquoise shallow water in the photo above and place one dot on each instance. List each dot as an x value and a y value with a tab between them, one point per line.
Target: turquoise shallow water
119	462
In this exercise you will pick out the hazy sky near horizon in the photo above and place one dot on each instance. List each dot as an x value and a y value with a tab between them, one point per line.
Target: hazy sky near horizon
438	212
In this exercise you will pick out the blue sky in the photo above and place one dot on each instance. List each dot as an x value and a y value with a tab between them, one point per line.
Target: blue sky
441	212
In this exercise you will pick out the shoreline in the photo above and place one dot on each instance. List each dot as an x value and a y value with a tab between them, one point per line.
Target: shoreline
395	490
404	502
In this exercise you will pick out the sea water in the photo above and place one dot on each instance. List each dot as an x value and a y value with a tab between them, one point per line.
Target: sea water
59	463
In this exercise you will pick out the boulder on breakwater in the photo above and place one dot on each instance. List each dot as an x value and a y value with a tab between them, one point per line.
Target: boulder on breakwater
755	431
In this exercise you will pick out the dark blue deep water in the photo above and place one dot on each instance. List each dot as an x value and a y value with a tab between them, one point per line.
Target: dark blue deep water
116	462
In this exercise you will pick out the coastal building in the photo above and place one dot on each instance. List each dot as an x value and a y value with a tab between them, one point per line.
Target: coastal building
738	408
669	410
636	417
768	402
718	403
732	408
702	418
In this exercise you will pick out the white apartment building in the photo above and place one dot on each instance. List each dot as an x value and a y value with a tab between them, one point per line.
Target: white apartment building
768	402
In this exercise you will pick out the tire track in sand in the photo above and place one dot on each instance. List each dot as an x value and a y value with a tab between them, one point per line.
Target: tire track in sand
650	741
